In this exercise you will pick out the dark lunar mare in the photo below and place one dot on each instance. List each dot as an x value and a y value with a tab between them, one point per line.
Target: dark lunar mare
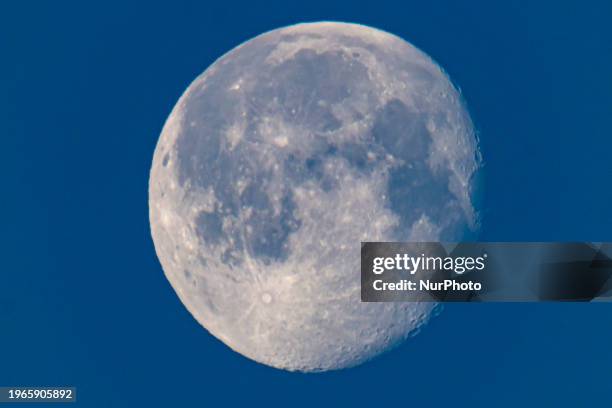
294	89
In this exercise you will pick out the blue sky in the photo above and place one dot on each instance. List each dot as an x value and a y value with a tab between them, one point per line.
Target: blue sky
85	90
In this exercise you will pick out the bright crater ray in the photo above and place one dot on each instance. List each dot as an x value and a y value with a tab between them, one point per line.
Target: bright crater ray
278	160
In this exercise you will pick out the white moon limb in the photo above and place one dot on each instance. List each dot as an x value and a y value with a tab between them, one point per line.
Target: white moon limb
279	160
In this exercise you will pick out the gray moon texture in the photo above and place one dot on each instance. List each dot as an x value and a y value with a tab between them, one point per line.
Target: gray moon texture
278	160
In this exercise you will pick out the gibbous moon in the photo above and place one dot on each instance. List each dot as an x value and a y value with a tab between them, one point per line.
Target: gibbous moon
279	160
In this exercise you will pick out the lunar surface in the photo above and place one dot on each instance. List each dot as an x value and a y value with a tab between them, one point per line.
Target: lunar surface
279	160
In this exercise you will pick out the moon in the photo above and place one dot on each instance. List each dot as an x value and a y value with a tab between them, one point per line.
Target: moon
284	155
